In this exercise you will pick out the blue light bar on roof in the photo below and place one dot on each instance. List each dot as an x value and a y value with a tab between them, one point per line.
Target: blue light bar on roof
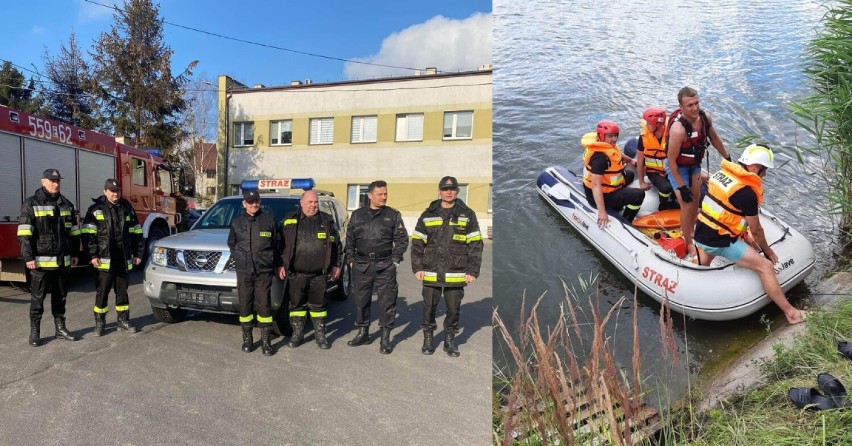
278	184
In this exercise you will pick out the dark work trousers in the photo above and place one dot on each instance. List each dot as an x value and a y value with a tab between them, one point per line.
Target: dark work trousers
253	290
116	279
43	281
362	290
431	298
307	292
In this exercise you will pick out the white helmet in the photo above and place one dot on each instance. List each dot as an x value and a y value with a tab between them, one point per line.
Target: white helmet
758	154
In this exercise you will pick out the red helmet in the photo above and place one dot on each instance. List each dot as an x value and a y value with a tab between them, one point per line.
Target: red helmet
605	127
654	115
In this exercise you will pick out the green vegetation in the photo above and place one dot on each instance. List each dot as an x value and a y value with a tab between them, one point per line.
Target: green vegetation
827	113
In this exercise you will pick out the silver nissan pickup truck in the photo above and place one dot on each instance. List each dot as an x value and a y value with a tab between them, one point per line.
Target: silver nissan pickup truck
193	270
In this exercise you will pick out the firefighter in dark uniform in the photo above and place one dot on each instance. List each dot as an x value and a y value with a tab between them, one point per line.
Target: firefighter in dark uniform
311	257
446	254
114	239
375	243
254	241
50	243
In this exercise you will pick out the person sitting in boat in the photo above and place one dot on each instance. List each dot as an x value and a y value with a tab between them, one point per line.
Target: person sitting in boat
651	157
729	210
690	131
604	177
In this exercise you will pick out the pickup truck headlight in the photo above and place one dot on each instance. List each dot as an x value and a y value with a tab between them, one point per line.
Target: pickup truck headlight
158	256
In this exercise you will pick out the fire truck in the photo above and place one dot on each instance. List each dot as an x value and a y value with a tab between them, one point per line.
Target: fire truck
30	144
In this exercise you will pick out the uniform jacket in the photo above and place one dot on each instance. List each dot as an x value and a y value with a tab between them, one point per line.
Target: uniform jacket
255	243
381	236
328	234
446	249
47	231
98	234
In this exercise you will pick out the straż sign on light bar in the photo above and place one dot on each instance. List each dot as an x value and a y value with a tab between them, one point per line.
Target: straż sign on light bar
274	184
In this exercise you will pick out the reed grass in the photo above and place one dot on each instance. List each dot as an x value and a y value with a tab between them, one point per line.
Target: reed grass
827	112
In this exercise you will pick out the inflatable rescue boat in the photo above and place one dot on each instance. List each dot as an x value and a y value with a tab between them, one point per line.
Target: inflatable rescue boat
649	252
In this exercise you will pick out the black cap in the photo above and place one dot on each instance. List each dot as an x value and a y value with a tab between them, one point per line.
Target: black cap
52	174
112	185
251	194
448	182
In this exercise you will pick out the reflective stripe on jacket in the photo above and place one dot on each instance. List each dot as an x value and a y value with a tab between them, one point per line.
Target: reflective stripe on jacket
446	250
613	177
717	211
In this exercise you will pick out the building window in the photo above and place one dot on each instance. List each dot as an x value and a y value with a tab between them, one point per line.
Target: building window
243	134
281	133
210	173
322	131
211	190
139	172
357	196
458	125
409	127
462	192
364	129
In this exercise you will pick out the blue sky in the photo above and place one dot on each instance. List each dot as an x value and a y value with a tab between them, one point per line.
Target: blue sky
451	35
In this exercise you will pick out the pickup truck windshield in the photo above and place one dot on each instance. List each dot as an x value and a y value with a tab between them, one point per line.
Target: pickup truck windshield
219	216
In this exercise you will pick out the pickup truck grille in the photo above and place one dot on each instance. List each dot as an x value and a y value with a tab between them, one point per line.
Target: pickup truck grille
201	260
230	265
195	260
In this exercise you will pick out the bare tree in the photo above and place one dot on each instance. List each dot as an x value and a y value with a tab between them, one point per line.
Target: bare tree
197	150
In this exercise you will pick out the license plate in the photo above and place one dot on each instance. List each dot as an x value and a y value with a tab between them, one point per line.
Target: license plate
198	297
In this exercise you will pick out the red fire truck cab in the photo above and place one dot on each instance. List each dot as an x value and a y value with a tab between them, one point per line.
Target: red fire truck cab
30	144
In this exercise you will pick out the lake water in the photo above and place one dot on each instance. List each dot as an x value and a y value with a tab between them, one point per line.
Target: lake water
560	67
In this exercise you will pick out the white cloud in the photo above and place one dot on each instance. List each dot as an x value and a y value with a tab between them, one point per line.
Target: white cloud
448	44
92	12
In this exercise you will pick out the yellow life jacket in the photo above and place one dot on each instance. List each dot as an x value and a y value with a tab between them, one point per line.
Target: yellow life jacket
613	177
653	150
716	208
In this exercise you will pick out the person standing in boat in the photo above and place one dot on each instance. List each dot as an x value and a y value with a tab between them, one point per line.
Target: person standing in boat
690	130
604	177
651	157
729	209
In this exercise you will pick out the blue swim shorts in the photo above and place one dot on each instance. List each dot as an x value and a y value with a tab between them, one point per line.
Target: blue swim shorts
686	172
733	252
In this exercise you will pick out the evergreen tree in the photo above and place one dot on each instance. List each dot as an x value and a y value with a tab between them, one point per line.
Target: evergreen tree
140	97
14	92
71	98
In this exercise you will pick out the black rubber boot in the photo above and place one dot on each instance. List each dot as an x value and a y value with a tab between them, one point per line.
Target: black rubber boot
124	322
362	338
629	214
298	324
319	333
428	342
450	345
100	324
35	332
61	331
248	340
385	347
266	340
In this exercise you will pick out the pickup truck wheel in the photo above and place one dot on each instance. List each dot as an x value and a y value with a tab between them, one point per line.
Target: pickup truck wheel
169	315
343	284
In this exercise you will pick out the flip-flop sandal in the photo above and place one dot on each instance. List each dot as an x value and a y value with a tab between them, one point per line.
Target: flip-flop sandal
833	389
845	347
805	398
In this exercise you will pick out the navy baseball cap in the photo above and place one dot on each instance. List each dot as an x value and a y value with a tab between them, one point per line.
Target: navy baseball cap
251	195
112	185
448	182
52	174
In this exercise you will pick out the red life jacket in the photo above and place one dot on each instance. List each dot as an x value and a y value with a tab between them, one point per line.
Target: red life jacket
695	144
